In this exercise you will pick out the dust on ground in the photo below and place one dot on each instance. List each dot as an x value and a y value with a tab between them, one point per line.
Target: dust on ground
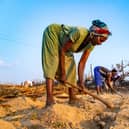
24	108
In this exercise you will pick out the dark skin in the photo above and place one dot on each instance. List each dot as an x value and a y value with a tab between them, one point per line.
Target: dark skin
49	82
64	49
81	66
108	81
83	60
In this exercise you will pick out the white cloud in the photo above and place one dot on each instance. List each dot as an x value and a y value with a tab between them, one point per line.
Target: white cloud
4	64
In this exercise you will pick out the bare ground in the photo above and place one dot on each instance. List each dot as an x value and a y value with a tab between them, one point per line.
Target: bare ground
24	108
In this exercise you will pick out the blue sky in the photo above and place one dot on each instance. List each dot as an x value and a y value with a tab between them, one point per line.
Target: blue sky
22	23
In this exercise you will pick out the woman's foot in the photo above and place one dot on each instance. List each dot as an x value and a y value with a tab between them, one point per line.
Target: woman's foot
73	101
77	102
50	103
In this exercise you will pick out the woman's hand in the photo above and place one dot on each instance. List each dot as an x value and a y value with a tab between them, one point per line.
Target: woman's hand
81	84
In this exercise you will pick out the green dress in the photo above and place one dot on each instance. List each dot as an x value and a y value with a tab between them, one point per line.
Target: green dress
54	36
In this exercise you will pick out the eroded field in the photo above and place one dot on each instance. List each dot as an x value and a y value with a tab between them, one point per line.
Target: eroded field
23	108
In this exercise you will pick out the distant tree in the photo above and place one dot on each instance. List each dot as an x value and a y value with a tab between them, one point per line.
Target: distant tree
121	68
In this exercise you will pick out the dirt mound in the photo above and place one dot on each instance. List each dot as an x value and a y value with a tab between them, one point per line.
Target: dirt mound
60	116
24	112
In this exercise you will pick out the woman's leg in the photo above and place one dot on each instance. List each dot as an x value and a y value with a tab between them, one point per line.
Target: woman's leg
98	89
49	91
98	79
72	95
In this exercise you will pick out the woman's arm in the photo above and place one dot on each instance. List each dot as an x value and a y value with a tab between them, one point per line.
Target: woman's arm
81	66
109	81
64	49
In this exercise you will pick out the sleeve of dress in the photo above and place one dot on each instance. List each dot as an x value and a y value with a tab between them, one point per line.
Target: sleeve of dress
74	34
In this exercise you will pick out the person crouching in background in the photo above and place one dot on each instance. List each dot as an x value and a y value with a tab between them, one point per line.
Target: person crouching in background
104	76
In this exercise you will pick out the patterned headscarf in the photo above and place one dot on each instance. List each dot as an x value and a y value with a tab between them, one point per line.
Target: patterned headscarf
99	28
